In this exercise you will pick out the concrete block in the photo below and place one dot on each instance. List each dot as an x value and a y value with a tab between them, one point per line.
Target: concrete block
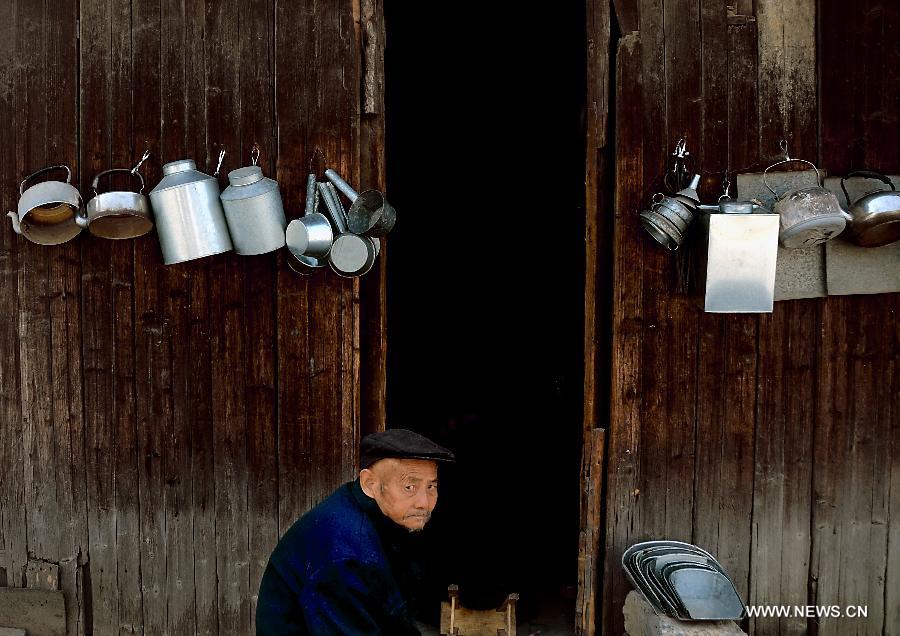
799	273
12	631
851	269
642	620
38	612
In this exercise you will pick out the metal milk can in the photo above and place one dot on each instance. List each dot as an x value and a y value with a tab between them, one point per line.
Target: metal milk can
189	216
254	211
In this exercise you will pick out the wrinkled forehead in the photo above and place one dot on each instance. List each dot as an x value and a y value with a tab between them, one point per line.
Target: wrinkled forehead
392	468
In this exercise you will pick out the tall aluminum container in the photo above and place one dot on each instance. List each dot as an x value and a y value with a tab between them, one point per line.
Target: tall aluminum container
737	261
189	216
254	211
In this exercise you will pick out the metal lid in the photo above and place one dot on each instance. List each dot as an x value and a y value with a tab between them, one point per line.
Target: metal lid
245	176
179	166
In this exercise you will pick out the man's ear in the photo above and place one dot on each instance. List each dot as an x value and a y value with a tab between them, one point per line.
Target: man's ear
368	482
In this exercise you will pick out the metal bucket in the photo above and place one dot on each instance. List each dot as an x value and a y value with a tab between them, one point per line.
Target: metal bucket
189	217
254	211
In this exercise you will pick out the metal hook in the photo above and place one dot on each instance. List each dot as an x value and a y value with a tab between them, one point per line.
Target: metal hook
219	165
681	150
783	144
143	159
312	159
254	154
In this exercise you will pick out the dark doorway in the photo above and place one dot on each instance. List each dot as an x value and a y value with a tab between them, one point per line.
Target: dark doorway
485	154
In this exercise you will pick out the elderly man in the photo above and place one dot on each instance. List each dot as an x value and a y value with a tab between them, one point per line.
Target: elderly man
348	565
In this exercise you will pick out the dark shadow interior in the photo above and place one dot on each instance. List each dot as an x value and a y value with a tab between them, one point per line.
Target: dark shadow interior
485	152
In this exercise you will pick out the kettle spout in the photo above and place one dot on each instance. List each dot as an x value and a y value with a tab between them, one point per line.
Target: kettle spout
15	222
81	221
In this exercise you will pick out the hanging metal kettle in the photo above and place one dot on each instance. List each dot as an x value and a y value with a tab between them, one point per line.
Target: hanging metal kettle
253	210
809	215
189	217
118	214
47	211
875	215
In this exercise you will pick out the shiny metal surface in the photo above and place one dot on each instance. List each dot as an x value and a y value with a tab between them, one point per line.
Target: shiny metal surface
310	235
739	273
254	212
47	211
117	214
351	255
370	213
190	220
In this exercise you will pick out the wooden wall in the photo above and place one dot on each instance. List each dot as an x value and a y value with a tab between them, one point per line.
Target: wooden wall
160	427
772	440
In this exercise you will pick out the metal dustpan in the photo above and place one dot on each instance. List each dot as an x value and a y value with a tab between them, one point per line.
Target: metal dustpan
706	594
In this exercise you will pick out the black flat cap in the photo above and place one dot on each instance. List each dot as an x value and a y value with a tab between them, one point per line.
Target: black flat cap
401	444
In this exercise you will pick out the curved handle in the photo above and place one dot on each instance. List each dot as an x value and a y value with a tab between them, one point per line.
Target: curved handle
96	180
868	174
342	185
42	171
312	194
789	160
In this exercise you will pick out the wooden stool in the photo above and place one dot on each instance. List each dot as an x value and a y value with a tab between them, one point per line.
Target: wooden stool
458	621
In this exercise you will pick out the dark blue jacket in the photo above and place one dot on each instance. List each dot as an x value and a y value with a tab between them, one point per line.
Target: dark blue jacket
342	568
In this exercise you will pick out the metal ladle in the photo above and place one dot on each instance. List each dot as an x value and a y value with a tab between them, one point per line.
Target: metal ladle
350	255
370	214
310	235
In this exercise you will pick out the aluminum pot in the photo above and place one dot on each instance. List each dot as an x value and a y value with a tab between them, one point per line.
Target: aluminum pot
117	214
875	216
190	220
809	215
47	212
310	235
254	211
351	255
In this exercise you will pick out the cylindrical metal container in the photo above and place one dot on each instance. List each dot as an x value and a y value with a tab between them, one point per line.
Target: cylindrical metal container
189	216
254	211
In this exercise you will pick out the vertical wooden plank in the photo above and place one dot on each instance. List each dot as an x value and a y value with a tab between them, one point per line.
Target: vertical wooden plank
293	51
787	76
35	339
373	287
890	412
227	335
257	98
590	560
97	347
65	321
13	551
625	408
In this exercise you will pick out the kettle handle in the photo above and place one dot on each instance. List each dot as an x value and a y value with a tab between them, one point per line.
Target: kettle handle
96	180
789	160
868	174
42	171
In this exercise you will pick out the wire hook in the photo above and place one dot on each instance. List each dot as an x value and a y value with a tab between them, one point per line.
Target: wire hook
143	159
254	154
219	165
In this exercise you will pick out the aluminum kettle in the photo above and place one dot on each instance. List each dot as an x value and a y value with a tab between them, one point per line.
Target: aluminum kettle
48	212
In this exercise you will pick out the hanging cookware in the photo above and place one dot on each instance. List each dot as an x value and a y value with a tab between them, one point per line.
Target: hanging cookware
189	217
808	215
351	255
310	235
118	214
370	213
47	211
668	218
875	216
253	210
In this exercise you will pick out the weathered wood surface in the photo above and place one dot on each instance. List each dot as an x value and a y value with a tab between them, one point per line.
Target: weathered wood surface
770	440
161	427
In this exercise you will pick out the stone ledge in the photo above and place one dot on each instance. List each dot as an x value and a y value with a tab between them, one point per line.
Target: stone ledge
642	620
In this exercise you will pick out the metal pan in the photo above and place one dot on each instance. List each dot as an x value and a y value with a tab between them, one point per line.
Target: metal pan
350	255
370	213
706	594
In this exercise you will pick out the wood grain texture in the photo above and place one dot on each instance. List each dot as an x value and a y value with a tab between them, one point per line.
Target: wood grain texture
160	424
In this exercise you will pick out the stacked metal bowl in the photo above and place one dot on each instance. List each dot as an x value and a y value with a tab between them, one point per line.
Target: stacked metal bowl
682	581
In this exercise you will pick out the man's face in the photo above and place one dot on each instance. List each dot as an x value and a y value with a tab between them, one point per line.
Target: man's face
405	489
